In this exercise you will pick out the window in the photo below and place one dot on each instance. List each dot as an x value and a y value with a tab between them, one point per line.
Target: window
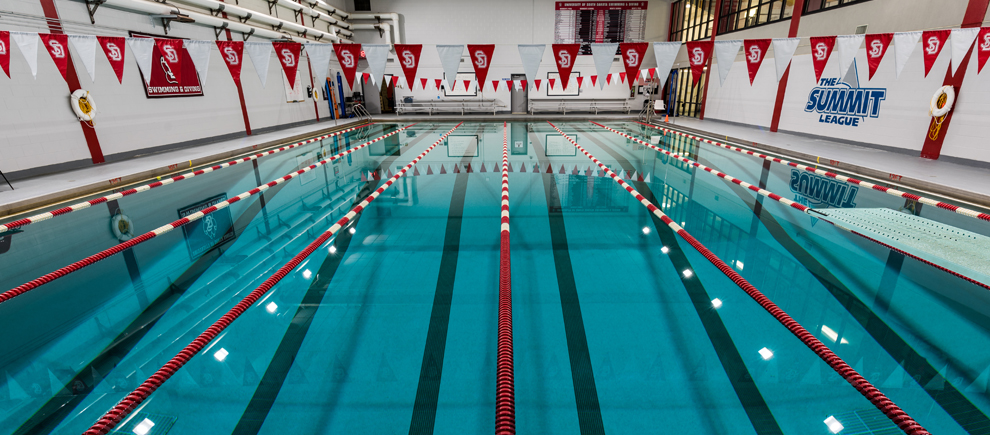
683	97
691	20
821	5
740	14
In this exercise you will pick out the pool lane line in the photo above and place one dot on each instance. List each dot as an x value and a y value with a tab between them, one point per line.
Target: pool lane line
505	389
86	204
425	405
270	385
115	415
589	410
953	208
918	367
795	205
715	172
49	277
742	381
884	404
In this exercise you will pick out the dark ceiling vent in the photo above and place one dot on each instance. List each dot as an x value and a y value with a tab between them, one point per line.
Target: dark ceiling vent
362	5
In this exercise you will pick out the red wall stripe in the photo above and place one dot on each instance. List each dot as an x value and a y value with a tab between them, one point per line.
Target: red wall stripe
932	149
240	90
778	104
72	79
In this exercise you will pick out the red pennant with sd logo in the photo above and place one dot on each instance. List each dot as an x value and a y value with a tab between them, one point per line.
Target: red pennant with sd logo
565	55
876	47
481	58
113	47
932	42
347	57
755	50
5	51
408	56
821	50
288	55
58	47
983	47
232	53
171	58
632	57
698	54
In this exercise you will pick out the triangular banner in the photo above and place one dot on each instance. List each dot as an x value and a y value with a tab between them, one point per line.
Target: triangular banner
408	57
199	52
58	48
603	55
481	58
85	46
821	51
450	59
876	48
698	54
422	83
983	48
904	44
143	49
347	57
537	83
666	53
783	51
565	55
848	46
377	55
232	53
594	81
5	52
632	57
531	55
580	81
113	48
171	51
495	85
755	51
552	81
932	42
725	55
961	40
319	61
288	55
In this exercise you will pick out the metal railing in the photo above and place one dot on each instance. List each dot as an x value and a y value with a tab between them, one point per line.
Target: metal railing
361	112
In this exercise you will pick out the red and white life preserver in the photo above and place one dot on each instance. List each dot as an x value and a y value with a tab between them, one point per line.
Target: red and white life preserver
950	97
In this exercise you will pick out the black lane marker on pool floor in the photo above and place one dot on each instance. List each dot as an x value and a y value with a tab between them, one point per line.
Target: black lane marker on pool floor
271	382
46	419
918	367
728	354
424	415
582	372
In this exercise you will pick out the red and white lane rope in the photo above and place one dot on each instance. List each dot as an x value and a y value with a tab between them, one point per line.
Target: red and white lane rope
86	204
756	189
954	208
125	406
505	389
49	277
885	405
793	204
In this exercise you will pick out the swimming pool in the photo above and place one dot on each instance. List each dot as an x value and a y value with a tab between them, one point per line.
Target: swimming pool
391	327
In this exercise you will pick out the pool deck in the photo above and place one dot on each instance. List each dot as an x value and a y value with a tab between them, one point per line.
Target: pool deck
958	181
970	183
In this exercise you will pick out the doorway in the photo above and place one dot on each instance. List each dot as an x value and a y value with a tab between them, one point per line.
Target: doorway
519	97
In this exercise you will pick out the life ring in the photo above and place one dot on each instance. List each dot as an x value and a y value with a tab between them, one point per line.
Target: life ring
83	105
950	97
122	227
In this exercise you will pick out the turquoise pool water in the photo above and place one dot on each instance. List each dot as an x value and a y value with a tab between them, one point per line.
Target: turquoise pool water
391	328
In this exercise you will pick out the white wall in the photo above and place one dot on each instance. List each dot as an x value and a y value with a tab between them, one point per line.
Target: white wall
904	117
40	129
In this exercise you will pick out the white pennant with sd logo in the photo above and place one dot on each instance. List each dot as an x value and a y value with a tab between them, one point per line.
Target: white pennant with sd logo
377	55
725	56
